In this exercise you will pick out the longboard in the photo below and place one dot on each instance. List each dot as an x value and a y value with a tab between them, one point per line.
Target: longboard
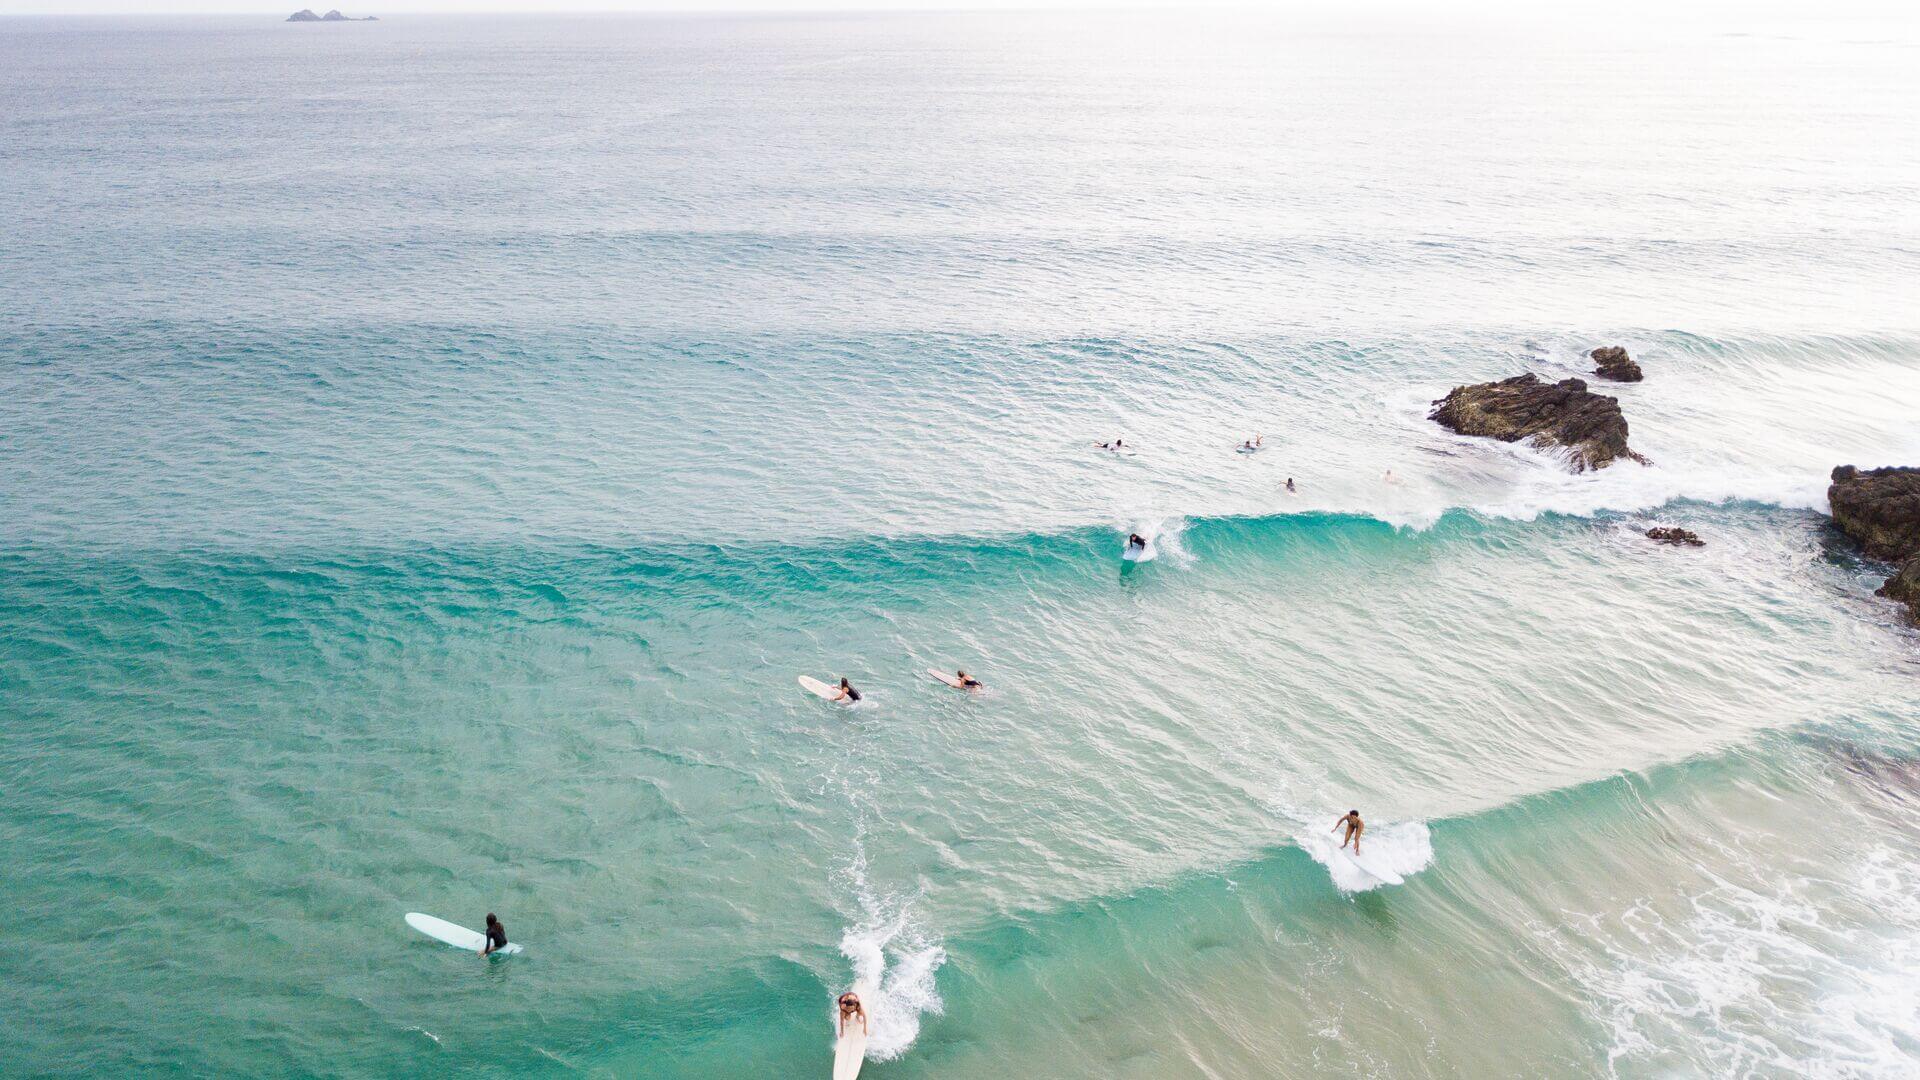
1371	868
850	1049
950	679
815	686
456	935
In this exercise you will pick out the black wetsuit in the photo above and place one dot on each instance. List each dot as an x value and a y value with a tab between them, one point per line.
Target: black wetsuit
496	936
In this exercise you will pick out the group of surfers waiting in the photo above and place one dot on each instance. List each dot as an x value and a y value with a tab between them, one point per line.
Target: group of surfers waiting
1246	447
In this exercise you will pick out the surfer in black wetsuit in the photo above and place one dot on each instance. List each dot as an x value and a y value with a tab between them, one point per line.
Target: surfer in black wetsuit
967	682
1290	486
1354	828
496	936
847	693
1136	542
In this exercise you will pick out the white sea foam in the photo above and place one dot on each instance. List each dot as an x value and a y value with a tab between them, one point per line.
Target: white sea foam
893	956
1753	982
1404	847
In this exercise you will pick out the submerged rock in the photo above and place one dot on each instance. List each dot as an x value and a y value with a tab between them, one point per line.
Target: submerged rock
1563	414
1615	364
1672	535
1880	508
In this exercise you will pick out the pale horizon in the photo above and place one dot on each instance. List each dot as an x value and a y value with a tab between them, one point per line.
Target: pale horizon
1787	9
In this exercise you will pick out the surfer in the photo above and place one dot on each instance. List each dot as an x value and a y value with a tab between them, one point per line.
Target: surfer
1136	542
1290	486
1114	445
496	936
850	1007
1354	828
847	693
967	682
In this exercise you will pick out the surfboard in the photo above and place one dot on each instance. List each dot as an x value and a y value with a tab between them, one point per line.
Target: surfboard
1372	868
950	679
831	693
1145	554
850	1050
456	935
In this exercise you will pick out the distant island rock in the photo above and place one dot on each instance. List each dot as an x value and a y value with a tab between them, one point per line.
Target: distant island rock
1563	414
1880	508
307	15
1615	364
1676	536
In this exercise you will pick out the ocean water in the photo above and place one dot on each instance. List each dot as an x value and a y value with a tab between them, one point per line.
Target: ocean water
431	449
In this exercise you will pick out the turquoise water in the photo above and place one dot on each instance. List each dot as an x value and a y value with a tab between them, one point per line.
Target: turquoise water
431	449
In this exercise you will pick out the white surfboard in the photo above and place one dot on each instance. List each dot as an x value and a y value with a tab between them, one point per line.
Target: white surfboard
850	1049
950	679
455	935
815	686
1140	554
1371	868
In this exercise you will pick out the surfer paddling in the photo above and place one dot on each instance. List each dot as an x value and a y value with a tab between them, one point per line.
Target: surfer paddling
1114	445
850	1007
496	936
1354	828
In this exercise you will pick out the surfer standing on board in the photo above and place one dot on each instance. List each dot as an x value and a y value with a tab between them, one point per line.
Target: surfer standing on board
850	1007
1136	542
496	936
1354	828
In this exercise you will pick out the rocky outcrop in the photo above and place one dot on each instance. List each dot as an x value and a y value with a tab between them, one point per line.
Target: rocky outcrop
1563	414
1880	508
1615	364
307	15
303	15
1675	536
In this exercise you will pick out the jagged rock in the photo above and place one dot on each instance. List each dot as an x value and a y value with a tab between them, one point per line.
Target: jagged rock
1880	508
1615	364
1563	414
334	16
1904	586
303	15
1671	535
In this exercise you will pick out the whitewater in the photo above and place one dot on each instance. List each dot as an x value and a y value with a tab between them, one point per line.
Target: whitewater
430	450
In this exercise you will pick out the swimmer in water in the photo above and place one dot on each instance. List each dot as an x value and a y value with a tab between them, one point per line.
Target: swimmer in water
496	936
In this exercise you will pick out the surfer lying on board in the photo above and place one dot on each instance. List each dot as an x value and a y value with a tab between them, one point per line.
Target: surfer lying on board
847	693
850	1007
1114	445
496	936
1354	828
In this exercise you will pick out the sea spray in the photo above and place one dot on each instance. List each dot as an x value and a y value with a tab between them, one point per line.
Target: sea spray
891	955
1404	847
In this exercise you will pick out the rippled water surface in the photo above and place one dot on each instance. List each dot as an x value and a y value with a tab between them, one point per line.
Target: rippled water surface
431	449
